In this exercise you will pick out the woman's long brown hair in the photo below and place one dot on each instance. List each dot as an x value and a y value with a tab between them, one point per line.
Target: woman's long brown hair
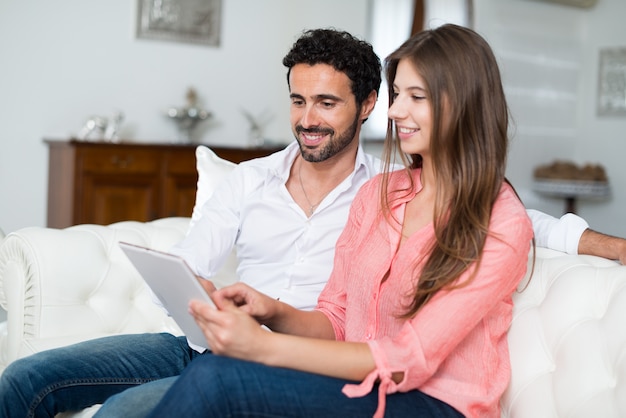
468	146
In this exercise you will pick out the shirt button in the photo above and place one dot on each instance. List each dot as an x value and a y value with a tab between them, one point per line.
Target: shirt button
368	337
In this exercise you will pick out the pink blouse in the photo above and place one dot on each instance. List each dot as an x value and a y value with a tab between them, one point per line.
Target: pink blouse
455	349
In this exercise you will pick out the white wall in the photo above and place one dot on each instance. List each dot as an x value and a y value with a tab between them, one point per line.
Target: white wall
65	60
549	55
603	139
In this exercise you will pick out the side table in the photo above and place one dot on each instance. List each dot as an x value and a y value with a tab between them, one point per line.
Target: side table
572	190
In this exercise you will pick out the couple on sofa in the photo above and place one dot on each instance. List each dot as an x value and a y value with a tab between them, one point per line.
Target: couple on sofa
410	346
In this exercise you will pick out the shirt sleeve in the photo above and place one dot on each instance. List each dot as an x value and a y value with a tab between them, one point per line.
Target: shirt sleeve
561	234
210	239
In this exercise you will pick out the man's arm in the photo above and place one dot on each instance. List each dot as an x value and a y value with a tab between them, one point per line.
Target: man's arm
571	234
607	246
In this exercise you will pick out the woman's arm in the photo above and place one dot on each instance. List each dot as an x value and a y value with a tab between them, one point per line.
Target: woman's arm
233	332
276	315
345	360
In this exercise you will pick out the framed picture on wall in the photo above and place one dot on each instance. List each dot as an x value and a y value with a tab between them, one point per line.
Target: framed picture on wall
190	21
612	82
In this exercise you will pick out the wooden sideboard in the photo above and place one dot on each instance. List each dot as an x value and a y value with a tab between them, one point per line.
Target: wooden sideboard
102	183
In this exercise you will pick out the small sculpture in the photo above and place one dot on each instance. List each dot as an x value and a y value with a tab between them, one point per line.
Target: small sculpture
108	128
257	124
188	117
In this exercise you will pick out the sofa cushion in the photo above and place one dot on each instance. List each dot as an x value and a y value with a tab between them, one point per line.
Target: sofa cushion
211	170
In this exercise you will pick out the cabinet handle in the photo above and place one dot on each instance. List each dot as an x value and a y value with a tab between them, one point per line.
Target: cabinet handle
121	162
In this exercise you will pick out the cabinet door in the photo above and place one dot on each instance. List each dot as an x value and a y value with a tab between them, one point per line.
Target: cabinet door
179	183
113	198
117	184
179	195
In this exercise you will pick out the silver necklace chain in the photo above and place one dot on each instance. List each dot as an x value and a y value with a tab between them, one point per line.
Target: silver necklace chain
311	205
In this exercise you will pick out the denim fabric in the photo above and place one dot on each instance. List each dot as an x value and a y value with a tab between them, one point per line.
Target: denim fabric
135	402
80	375
216	386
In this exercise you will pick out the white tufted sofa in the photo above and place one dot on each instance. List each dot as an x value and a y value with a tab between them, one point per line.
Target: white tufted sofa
567	340
61	286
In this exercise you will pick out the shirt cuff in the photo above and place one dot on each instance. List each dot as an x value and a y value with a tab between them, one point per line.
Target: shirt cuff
561	234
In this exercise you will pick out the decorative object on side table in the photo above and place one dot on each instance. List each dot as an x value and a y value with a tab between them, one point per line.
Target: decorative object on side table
566	180
188	117
105	129
257	124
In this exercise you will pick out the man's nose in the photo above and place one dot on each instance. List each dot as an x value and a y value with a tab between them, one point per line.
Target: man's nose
310	117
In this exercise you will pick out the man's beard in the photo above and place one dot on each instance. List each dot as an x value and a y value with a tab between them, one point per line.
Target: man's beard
334	146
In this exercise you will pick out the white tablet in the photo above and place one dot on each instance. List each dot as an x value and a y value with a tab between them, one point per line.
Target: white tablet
173	283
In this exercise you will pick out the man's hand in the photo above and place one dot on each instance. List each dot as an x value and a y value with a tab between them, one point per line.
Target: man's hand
208	285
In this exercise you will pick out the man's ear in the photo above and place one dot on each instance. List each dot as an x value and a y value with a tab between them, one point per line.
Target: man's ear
368	105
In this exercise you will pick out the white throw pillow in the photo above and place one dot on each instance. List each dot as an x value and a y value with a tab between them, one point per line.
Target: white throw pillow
211	170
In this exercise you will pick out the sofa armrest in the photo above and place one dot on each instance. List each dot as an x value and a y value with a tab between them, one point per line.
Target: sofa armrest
61	286
567	341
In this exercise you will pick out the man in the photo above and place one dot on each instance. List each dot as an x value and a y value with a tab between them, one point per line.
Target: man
283	213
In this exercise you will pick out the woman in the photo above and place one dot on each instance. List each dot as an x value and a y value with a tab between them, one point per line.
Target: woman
414	317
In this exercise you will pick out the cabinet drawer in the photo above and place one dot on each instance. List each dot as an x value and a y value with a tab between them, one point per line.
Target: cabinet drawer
120	160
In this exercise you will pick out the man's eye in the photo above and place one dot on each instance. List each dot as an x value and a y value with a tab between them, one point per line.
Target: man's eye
328	104
297	102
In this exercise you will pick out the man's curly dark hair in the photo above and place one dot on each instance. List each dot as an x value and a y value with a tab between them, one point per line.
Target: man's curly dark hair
344	52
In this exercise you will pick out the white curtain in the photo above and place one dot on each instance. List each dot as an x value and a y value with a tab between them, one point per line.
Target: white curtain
438	12
390	25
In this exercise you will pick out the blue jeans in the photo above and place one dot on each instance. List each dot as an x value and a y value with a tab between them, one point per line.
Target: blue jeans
77	376
135	402
216	386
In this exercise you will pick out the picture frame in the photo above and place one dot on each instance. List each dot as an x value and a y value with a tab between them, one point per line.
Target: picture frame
612	82
188	21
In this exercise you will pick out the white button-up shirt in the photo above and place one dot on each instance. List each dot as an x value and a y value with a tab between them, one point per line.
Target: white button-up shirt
280	251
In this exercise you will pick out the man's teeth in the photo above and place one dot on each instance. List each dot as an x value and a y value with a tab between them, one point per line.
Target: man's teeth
309	136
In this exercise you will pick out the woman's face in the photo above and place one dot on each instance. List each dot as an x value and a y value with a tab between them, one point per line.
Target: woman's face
411	110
